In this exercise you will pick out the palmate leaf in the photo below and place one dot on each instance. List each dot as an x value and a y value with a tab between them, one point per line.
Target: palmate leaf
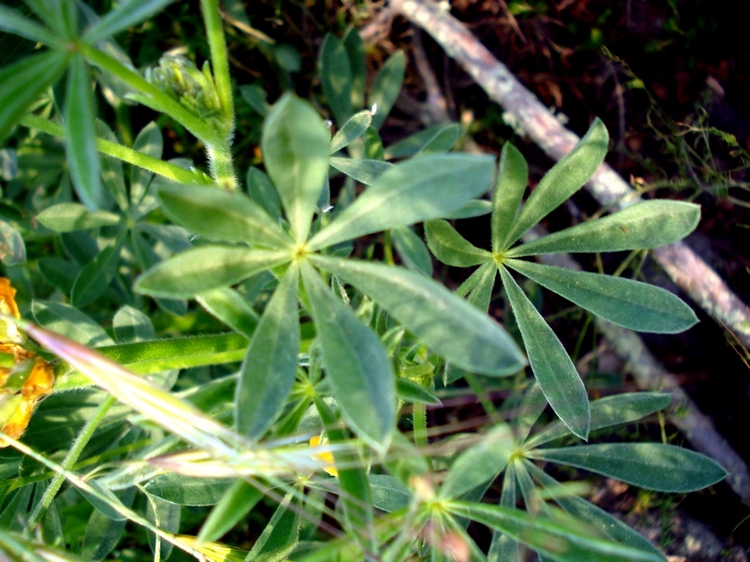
414	191
648	224
356	364
207	267
625	302
222	215
448	325
295	150
562	180
270	366
553	368
654	466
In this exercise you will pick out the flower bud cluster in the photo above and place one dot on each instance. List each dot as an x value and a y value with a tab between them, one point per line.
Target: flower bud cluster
178	77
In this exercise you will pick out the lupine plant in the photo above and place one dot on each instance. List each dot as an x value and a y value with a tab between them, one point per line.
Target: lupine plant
294	400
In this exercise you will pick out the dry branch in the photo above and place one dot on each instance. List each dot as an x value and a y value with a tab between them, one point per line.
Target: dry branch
687	269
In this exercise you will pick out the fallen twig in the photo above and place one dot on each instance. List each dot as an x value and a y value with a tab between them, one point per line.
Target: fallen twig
688	270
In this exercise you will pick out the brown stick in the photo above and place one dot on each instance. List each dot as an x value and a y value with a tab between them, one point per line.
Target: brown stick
688	270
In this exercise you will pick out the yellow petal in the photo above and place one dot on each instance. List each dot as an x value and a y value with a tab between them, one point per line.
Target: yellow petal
8	298
16	424
325	456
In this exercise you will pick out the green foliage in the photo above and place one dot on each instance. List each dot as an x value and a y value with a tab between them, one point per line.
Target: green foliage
296	335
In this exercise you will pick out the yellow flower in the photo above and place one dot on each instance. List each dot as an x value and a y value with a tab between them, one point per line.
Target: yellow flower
24	378
325	456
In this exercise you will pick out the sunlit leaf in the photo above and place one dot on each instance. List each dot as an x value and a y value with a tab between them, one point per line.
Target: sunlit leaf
356	364
222	215
654	466
562	180
204	268
295	150
645	225
69	217
625	302
446	323
512	177
413	191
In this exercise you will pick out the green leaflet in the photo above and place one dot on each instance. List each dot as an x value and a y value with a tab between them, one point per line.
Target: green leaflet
450	247
22	82
608	412
270	365
336	78
69	217
354	128
222	215
553	369
295	150
414	191
230	307
356	364
96	276
648	224
562	180
236	502
558	541
386	87
80	136
608	525
123	16
512	177
653	466
187	490
207	267
412	250
447	324
481	462
364	171
625	302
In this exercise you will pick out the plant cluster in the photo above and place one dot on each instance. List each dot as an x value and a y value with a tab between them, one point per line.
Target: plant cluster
314	350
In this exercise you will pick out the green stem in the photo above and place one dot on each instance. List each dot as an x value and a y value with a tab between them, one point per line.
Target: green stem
119	151
219	58
70	459
222	168
167	105
483	396
419	423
